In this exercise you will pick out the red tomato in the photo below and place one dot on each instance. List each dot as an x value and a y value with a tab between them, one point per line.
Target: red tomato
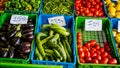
78	1
85	48
89	14
92	49
81	54
88	5
94	3
98	57
82	60
109	56
95	61
98	52
79	46
78	34
96	13
97	6
104	60
100	3
87	45
80	49
87	54
104	54
101	49
97	46
97	1
93	54
88	59
112	61
92	42
92	9
86	10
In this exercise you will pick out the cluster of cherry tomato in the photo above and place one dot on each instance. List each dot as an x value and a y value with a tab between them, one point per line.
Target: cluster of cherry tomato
89	8
92	52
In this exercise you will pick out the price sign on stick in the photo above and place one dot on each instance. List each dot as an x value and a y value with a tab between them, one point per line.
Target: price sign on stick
19	19
57	20
93	25
118	26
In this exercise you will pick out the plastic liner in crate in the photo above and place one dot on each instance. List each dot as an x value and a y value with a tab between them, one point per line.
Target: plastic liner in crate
13	65
6	19
57	7
43	19
100	36
27	9
112	9
115	35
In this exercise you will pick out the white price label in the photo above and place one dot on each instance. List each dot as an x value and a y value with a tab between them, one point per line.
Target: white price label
93	25
114	0
57	20
19	19
118	26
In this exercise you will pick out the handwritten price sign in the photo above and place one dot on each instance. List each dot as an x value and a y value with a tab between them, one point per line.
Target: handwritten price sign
93	25
19	19
57	20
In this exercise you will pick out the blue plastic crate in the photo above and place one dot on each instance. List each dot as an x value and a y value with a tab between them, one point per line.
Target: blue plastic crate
106	11
115	26
43	19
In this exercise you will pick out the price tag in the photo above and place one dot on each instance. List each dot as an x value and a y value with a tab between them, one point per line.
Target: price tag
19	19
118	26
93	25
57	20
114	0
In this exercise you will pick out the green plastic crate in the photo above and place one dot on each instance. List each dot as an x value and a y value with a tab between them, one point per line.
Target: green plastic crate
11	65
4	18
100	36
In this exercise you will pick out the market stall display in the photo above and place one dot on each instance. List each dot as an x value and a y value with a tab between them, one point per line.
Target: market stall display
94	47
54	44
16	40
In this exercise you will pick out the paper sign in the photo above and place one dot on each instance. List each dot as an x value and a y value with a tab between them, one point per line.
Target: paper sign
93	25
57	20
19	19
118	26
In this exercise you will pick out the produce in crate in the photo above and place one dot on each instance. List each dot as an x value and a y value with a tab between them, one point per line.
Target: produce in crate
20	5
89	8
15	40
113	8
2	5
57	7
116	35
92	52
53	43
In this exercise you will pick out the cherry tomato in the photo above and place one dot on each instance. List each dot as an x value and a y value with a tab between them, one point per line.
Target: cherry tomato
87	53
87	45
93	54
104	60
98	57
97	6
79	46
112	61
104	54
109	56
100	3
101	49
88	5
81	54
89	14
82	60
92	49
98	52
92	9
85	48
97	1
97	46
92	42
95	61
88	59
